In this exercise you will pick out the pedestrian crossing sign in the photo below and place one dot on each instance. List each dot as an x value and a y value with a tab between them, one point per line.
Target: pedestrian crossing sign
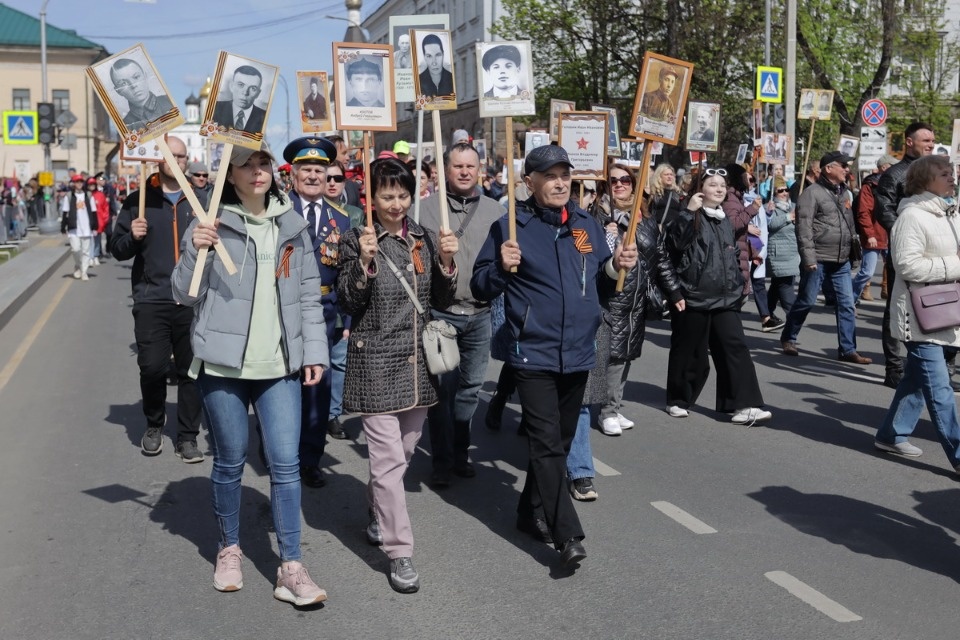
770	84
20	127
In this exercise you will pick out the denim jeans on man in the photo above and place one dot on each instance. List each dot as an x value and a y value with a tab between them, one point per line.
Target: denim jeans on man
580	458
226	403
867	268
839	275
338	369
449	419
925	382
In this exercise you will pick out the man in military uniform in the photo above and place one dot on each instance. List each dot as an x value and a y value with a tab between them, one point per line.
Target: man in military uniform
326	221
658	105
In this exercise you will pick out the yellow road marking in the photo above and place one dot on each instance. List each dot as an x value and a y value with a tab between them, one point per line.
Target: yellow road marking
21	352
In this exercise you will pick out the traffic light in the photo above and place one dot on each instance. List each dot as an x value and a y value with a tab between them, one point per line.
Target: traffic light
46	123
779	119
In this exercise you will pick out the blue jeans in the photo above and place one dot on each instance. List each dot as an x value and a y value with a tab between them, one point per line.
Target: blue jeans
867	268
925	381
226	403
449	419
839	275
338	368
580	458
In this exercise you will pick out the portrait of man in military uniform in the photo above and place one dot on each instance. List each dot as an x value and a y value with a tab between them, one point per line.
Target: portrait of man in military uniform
661	98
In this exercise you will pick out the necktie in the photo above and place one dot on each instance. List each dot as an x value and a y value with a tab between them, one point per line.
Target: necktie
240	121
312	221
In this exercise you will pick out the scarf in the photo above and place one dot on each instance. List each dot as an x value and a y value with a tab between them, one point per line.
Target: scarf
716	214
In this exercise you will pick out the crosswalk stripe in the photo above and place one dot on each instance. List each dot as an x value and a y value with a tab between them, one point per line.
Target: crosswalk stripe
812	597
679	515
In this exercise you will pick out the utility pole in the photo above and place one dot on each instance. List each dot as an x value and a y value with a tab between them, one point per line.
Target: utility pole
790	87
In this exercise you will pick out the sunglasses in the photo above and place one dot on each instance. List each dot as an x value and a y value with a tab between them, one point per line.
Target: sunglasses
783	190
716	172
623	180
337	179
200	175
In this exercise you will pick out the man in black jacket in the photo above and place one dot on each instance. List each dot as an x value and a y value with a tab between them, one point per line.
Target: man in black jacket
918	141
161	326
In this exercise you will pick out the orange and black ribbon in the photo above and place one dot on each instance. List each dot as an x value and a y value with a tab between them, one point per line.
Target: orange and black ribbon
284	267
581	240
417	260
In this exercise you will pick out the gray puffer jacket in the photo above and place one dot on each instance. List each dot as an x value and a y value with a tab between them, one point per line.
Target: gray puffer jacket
224	303
825	225
386	370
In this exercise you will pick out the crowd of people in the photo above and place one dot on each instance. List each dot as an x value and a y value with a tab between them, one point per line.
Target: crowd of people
327	312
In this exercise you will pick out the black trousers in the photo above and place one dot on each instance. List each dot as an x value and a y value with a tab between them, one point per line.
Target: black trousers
891	346
551	406
315	410
161	330
695	335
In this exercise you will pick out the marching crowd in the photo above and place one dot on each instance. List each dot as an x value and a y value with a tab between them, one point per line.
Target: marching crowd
329	314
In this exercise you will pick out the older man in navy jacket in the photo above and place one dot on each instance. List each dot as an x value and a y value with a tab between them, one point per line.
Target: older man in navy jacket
553	311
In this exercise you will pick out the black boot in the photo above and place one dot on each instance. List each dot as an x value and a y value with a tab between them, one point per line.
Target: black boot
495	411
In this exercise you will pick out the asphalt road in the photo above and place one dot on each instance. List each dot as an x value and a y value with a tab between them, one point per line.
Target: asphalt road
703	529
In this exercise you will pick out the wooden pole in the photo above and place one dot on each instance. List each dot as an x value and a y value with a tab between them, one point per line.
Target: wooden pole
143	191
416	197
442	178
511	197
631	235
191	197
806	158
212	207
368	200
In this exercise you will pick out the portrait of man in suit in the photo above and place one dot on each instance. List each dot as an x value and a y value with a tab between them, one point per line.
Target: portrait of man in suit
240	112
315	105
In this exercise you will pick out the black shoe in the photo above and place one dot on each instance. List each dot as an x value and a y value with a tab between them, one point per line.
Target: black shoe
440	479
772	324
188	452
374	535
495	408
572	553
312	476
582	489
152	441
535	527
335	429
464	469
892	379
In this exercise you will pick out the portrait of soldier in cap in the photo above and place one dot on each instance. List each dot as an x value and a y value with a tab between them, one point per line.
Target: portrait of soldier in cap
660	104
505	76
315	105
363	93
365	81
502	66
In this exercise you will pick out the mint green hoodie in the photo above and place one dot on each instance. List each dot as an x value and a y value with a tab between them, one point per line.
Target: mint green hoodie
263	358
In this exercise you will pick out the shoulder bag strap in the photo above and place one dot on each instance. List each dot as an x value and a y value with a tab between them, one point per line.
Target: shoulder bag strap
403	281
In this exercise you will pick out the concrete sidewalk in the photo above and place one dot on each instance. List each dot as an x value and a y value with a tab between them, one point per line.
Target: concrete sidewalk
25	271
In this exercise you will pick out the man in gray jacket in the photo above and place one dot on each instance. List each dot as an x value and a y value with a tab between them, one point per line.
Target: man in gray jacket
470	215
825	236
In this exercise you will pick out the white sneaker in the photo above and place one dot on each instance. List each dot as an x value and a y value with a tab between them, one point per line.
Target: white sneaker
95	263
751	416
610	427
901	448
84	276
677	412
625	423
76	274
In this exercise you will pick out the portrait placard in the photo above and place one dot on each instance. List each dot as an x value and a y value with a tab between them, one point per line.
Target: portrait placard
613	128
808	104
434	84
661	97
403	51
632	152
583	134
214	155
148	151
556	106
505	74
757	133
313	89
774	147
742	153
824	104
481	147
240	101
135	96
955	142
849	145
703	126
362	79
534	139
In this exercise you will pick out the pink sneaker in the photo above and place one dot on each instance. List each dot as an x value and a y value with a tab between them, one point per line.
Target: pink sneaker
228	575
295	586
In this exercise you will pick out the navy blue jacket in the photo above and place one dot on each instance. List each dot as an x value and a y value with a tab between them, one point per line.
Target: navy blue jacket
552	301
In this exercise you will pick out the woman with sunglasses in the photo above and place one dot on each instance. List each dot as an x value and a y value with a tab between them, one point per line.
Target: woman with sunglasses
783	256
701	247
665	194
334	190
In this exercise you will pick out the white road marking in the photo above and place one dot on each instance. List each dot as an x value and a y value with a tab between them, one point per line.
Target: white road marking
812	597
679	515
604	469
7	373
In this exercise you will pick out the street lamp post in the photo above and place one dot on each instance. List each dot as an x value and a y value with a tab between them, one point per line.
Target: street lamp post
48	225
286	91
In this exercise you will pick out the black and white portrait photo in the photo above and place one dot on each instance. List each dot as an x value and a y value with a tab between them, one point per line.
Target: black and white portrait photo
505	74
134	95
703	122
613	129
534	139
243	90
434	83
403	61
808	104
556	106
363	91
313	89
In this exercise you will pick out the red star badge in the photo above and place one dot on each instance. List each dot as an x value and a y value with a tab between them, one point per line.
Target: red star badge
582	143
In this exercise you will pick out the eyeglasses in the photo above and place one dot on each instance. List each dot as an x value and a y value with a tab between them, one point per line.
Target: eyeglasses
622	180
783	190
716	172
337	179
200	175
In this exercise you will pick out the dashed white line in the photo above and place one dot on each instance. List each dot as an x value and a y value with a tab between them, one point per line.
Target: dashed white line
679	515
812	597
604	469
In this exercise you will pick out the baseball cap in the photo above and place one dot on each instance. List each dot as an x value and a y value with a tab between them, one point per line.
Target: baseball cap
542	158
835	156
886	159
461	135
197	167
240	154
401	146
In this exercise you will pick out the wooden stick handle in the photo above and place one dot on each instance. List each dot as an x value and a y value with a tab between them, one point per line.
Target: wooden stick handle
416	196
441	179
511	197
212	207
368	200
635	214
143	191
806	158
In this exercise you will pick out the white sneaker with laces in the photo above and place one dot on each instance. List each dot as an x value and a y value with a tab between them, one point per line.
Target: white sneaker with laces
677	412
625	423
751	416
76	274
901	448
610	426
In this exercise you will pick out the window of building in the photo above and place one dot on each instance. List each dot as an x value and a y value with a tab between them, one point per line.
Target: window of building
61	100
21	99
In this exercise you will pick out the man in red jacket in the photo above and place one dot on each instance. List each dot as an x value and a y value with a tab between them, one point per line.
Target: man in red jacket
873	236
